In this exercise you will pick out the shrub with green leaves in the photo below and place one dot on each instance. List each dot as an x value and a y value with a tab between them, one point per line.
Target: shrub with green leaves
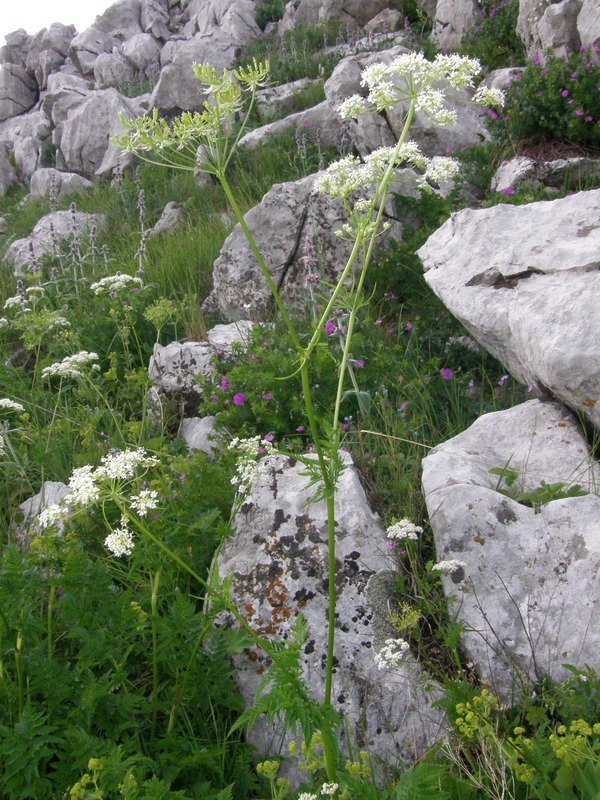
493	39
553	101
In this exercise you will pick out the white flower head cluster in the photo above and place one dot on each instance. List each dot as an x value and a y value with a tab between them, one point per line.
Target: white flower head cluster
248	467
391	654
405	529
116	283
448	567
121	465
58	322
145	501
72	366
120	541
439	170
86	485
10	405
307	796
488	96
329	789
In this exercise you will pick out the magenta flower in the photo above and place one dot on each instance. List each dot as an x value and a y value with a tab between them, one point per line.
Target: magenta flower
508	191
565	92
267	396
537	60
492	114
447	373
408	327
503	380
239	399
589	119
224	383
330	328
300	428
270	437
579	112
358	363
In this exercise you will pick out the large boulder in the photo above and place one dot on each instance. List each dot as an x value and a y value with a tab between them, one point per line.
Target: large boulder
276	566
236	18
320	123
178	88
526	592
558	26
453	18
303	13
83	140
47	235
7	171
16	48
65	90
588	23
25	136
49	51
113	69
121	20
18	91
143	53
47	181
289	216
87	46
524	280
155	19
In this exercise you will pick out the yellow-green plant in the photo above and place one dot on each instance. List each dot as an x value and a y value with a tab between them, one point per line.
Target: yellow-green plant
206	141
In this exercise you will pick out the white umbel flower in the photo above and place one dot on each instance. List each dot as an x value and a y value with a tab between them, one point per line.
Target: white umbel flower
72	366
391	654
405	529
120	541
10	405
145	501
448	567
116	283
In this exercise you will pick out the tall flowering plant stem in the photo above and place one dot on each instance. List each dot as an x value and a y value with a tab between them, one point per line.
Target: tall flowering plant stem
205	142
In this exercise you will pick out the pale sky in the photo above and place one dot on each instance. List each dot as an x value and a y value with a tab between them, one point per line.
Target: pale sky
33	15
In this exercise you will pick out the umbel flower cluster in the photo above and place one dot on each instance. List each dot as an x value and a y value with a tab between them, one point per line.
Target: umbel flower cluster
91	485
255	458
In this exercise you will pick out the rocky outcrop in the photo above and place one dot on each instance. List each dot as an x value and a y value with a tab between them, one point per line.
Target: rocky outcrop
528	298
48	182
562	27
83	139
18	91
526	594
301	13
544	173
588	23
87	46
277	564
47	236
453	18
235	19
24	137
288	215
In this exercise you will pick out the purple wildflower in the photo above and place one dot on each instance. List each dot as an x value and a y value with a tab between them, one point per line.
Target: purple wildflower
267	396
330	328
447	373
239	399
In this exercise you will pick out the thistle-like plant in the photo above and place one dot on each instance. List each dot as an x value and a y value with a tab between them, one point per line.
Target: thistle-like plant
206	141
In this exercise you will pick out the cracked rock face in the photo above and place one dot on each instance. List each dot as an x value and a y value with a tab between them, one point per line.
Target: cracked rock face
525	282
18	91
528	594
278	565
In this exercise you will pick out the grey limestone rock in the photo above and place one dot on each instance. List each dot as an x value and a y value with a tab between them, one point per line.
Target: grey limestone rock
198	433
87	46
47	180
453	18
18	91
51	492
277	562
314	12
525	281
527	594
170	220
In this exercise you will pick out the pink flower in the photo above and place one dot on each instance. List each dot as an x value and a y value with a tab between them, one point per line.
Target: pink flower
239	399
408	327
270	437
565	92
447	373
508	191
300	428
503	380
267	396
492	114
224	383
330	328
579	112
358	363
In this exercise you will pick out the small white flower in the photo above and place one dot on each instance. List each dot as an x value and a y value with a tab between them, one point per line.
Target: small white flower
307	796
391	654
145	501
10	405
83	488
71	366
120	541
115	283
122	464
16	301
353	107
449	566
248	468
489	96
51	515
405	529
329	789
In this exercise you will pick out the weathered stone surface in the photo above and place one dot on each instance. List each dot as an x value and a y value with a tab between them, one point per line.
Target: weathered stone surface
286	217
64	92
24	136
65	183
178	88
87	46
279	100
588	23
223	337
112	69
389	19
235	18
320	121
121	20
16	48
18	91
525	282
7	172
154	18
300	13
47	233
170	220
83	140
547	173
527	595
51	492
453	18
58	37
198	433
143	53
557	29
277	562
